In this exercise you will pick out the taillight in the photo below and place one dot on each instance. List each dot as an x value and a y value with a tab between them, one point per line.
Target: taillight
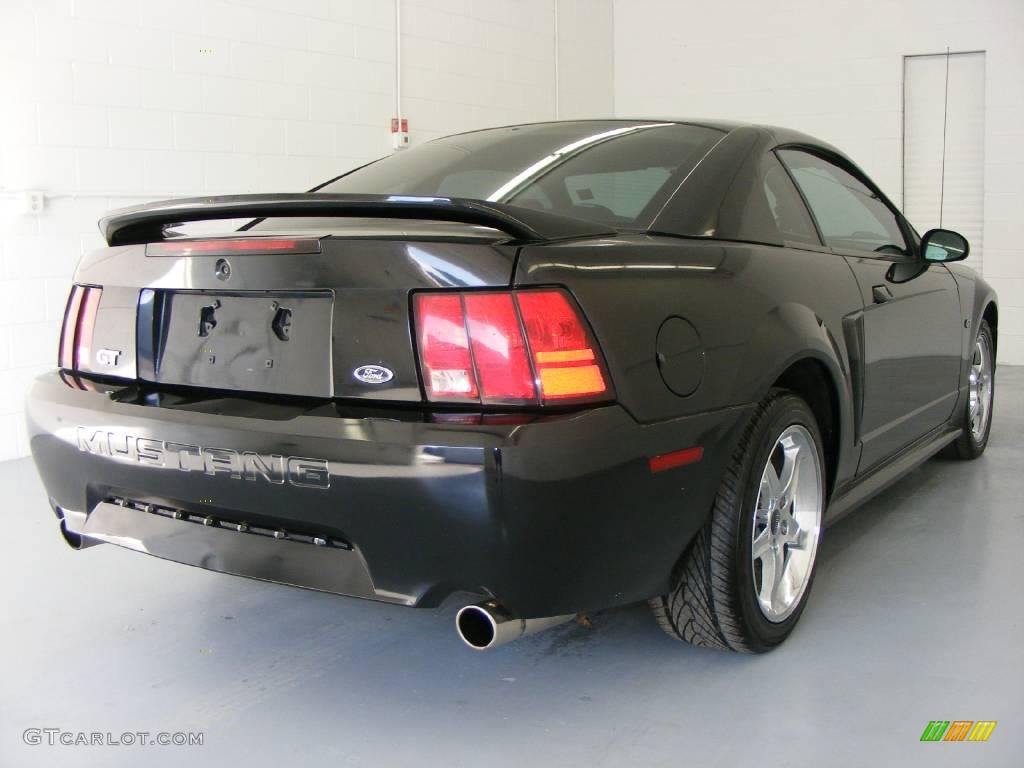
507	348
499	352
565	359
65	357
444	347
79	321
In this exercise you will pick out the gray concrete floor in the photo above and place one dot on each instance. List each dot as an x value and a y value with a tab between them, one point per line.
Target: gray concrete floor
915	616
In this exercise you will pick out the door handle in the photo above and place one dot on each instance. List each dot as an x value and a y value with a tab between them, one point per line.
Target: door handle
881	293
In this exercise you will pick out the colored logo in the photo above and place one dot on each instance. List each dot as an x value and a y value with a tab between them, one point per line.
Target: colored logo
958	730
373	374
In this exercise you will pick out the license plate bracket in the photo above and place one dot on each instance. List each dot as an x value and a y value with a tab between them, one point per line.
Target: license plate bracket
273	342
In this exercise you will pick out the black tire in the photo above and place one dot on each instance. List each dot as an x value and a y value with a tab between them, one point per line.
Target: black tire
712	601
968	446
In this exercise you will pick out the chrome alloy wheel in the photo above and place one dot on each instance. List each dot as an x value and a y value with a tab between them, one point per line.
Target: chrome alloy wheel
787	520
980	388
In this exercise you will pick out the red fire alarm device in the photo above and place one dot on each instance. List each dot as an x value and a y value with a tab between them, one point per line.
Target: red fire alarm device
399	133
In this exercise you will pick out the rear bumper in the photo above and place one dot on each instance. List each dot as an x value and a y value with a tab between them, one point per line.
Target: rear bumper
549	516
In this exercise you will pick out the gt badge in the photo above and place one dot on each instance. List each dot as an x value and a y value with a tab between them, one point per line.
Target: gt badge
108	356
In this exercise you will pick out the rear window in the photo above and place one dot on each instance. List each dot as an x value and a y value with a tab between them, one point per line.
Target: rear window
613	172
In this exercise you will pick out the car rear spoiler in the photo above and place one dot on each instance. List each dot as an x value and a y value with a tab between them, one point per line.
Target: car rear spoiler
146	223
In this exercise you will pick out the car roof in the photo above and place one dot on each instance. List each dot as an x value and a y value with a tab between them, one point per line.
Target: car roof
782	134
777	134
720	125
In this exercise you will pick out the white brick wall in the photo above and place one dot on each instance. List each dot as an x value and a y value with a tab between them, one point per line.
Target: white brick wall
835	71
107	103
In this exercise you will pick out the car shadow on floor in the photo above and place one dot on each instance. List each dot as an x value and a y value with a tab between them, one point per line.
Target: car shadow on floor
358	630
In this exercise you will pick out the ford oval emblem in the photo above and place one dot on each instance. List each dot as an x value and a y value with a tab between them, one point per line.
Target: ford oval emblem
373	374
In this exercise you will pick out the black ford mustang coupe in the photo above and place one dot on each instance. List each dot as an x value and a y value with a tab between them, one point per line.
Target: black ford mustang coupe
560	367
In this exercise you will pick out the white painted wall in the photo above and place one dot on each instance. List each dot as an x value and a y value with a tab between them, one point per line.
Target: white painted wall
478	63
107	103
834	70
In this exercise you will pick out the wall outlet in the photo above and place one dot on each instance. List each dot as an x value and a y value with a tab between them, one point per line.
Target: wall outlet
31	201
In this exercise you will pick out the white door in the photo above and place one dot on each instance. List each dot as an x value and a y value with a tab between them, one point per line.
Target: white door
944	145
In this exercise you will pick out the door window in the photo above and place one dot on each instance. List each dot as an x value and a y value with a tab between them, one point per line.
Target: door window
850	214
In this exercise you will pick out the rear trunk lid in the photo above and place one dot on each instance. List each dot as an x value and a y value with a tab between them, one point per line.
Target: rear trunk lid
311	298
311	307
333	323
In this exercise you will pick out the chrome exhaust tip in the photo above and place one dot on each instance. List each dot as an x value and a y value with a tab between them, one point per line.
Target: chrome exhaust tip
71	538
487	625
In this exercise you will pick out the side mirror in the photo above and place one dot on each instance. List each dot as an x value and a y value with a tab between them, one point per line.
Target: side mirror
944	245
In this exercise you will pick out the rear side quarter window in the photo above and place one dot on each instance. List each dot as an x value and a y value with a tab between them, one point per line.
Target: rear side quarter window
790	213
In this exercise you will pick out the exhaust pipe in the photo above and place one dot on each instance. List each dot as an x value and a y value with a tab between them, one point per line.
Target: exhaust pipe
74	540
488	625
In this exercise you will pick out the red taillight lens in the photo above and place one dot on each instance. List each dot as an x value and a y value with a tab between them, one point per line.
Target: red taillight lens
444	347
499	353
226	247
472	348
79	321
566	364
65	357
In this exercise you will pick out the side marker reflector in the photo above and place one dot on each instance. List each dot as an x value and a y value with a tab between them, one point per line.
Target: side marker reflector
676	459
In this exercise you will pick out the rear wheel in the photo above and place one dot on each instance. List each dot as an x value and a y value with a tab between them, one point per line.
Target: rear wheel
745	580
981	394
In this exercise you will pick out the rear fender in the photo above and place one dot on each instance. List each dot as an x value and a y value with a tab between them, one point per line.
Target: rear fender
790	334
